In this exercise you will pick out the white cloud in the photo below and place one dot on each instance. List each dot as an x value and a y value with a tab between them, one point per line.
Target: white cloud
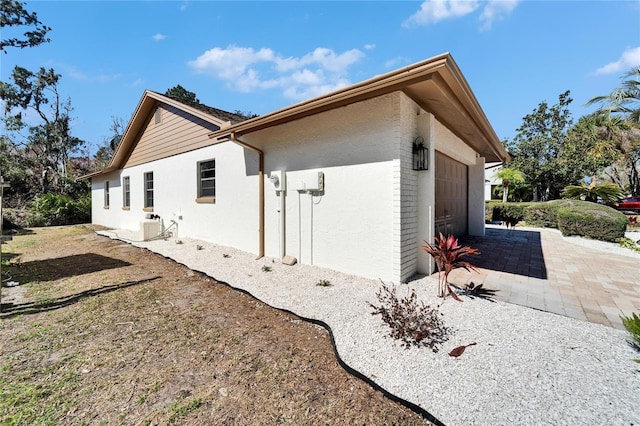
434	11
158	37
369	46
496	10
246	69
630	58
76	74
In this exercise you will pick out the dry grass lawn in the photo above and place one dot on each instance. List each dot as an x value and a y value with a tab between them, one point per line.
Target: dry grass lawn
101	332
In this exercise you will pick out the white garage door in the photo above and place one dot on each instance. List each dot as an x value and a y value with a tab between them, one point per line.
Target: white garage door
451	196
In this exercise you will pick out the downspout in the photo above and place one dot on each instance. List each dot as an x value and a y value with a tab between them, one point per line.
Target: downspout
260	153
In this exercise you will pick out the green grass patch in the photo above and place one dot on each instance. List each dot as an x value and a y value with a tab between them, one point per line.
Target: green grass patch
181	410
39	396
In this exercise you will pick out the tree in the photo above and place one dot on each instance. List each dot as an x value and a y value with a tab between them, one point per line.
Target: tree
13	14
49	144
623	100
181	94
511	178
625	171
620	112
104	153
592	144
537	148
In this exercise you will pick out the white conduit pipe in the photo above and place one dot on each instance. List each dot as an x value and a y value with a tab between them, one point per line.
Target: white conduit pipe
283	233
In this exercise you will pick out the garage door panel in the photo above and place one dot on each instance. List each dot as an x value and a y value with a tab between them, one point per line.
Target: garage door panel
451	211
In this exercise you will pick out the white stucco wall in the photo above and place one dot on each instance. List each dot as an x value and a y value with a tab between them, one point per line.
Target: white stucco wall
350	225
371	218
231	221
476	197
426	196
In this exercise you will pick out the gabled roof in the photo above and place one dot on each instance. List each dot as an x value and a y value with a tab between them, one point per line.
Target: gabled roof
231	117
436	84
150	99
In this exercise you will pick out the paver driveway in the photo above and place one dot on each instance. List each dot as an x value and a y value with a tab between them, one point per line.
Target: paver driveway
541	269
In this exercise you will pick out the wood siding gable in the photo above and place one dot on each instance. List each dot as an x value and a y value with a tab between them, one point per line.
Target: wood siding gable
176	132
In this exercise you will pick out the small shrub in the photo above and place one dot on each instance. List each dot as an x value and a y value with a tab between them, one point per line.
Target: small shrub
410	321
474	290
199	247
629	244
266	268
226	256
632	324
509	212
324	283
179	242
488	210
448	255
56	209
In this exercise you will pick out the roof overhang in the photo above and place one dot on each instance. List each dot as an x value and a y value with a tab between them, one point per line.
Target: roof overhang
436	85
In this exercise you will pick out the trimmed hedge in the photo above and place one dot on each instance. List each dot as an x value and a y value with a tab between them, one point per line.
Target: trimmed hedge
596	223
509	211
572	217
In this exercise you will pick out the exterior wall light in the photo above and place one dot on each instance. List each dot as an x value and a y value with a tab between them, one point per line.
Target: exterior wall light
420	154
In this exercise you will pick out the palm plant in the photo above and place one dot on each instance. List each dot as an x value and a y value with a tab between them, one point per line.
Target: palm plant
632	324
511	178
448	254
624	99
593	191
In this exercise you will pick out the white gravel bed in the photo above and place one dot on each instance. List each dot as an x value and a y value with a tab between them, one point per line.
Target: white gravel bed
528	367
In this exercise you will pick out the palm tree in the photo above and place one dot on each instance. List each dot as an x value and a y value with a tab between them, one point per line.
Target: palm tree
624	99
625	103
510	178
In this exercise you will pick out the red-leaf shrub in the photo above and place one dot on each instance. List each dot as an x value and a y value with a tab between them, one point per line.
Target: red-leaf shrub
448	255
410	321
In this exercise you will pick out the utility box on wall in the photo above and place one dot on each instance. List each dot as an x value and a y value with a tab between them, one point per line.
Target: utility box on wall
315	182
309	181
279	180
149	229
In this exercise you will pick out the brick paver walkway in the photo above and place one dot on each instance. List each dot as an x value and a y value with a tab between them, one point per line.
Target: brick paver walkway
541	269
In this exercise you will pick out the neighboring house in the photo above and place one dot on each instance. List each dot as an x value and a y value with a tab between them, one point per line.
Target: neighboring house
491	181
331	181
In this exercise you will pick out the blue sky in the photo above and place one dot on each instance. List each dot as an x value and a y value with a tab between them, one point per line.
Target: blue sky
265	55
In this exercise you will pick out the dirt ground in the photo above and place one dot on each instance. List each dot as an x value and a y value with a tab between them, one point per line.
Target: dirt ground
101	332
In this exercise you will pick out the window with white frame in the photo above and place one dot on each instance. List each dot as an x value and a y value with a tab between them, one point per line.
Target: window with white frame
106	194
206	181
148	190
126	193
